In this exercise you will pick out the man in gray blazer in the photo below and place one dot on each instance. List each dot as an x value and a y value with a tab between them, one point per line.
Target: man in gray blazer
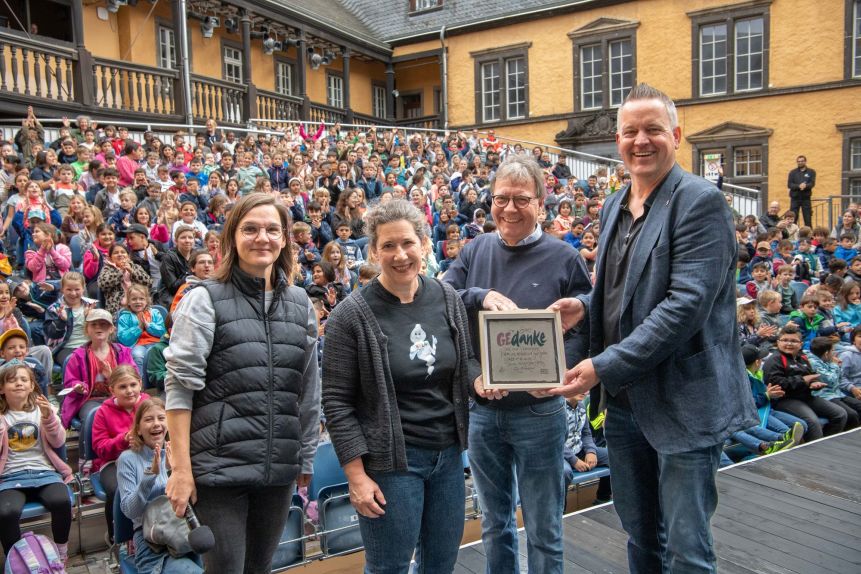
663	343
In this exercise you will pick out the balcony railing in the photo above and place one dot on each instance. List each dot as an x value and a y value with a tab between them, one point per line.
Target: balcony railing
134	88
35	69
274	106
319	113
222	101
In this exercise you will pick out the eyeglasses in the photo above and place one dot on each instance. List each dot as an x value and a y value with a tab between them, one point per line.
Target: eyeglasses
253	231
789	341
520	201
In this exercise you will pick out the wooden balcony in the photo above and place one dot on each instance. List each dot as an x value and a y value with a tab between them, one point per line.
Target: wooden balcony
57	79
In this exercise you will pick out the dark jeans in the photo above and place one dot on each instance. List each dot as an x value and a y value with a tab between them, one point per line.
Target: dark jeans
108	478
54	497
801	206
810	410
852	406
247	524
424	513
665	501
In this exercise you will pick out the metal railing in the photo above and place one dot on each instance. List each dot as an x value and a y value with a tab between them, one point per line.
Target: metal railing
745	200
828	211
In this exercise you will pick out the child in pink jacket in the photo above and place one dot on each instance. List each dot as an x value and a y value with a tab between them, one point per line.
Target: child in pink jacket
111	430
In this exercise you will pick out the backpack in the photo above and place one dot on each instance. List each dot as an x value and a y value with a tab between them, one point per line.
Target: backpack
34	554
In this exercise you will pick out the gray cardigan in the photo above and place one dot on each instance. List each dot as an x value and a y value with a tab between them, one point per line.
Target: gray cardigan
358	391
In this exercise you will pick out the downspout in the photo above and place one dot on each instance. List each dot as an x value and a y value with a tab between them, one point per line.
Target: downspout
186	69
444	56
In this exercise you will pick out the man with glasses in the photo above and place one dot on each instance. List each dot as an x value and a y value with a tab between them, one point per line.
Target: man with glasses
664	343
516	439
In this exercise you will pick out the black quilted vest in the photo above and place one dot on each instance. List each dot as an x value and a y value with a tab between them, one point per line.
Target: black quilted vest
245	427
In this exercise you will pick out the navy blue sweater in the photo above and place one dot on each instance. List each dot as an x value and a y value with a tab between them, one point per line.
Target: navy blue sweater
533	276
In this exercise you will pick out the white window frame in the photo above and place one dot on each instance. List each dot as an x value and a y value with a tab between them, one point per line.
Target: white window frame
232	64
426	4
748	160
491	111
855	154
714	60
591	71
855	64
515	80
621	79
283	78
166	48
750	54
335	90
378	101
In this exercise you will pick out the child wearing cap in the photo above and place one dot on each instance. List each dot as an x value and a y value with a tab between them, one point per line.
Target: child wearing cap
90	366
15	345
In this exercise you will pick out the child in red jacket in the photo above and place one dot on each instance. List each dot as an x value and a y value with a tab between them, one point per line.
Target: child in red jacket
112	430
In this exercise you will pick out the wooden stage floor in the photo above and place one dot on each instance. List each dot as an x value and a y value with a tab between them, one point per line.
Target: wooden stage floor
797	511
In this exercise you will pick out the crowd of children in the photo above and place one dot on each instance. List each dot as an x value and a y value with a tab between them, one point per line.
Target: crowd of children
799	323
104	235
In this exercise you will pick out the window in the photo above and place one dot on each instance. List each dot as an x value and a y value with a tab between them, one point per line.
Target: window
335	90
713	60
748	162
853	38
730	50
855	154
378	102
621	71
490	92
590	77
748	55
851	175
604	63
424	5
166	48
502	84
284	78
515	87
232	64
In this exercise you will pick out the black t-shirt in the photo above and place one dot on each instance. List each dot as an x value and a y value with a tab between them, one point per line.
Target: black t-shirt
422	361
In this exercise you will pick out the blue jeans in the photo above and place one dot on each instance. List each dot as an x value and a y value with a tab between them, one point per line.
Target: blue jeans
520	449
138	354
784	418
424	513
665	501
753	437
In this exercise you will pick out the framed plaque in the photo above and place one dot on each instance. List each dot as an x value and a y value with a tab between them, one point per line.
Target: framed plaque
521	350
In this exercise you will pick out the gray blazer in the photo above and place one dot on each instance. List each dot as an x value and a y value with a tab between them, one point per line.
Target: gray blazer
679	357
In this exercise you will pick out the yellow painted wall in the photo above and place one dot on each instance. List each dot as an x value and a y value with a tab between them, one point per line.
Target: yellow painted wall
423	75
416	48
362	77
100	35
803	124
663	50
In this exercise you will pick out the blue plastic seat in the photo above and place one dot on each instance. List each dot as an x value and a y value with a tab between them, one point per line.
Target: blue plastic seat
291	547
330	489
123	532
90	454
327	470
339	521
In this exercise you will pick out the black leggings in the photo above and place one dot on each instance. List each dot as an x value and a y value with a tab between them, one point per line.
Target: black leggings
247	524
54	497
852	406
108	477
